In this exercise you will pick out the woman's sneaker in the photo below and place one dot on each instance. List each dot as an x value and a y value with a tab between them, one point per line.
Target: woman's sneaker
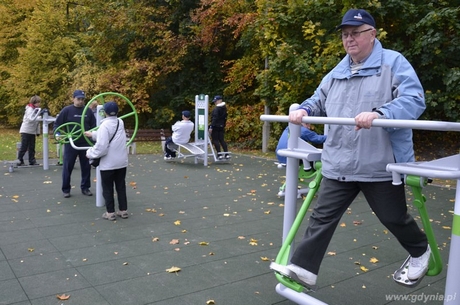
109	216
418	266
123	214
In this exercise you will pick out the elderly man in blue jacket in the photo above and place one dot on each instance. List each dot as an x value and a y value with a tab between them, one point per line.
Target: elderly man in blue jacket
369	83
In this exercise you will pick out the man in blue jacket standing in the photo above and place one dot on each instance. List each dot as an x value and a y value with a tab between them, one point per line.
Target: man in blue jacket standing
369	83
73	113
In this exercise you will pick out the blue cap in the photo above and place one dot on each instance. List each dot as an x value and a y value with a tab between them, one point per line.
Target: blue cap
357	17
111	108
186	113
216	98
79	94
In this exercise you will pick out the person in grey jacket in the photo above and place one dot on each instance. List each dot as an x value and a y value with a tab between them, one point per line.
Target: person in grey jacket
369	83
30	129
111	148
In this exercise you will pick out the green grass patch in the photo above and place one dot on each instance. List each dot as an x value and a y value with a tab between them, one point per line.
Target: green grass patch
9	138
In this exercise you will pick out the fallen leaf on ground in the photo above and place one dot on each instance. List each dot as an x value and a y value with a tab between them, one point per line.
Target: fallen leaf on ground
373	260
364	269
63	297
203	243
173	269
174	242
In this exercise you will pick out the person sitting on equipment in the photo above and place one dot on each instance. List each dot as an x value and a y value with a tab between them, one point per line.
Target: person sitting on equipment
305	134
181	134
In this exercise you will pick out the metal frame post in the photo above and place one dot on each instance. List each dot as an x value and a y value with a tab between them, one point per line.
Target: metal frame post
201	124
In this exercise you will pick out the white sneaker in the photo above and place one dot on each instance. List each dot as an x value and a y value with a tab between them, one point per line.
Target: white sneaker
304	275
418	266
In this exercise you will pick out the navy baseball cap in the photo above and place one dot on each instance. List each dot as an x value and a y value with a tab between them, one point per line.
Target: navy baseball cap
357	17
216	98
79	94
186	113
111	108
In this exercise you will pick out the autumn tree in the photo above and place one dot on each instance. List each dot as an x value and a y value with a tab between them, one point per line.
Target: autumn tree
160	54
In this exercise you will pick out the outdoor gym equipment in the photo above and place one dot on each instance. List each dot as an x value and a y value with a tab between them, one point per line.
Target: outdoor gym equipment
46	119
70	132
416	175
306	172
100	98
199	148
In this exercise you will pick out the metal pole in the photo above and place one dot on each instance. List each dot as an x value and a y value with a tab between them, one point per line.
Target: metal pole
413	124
45	140
265	131
452	279
99	199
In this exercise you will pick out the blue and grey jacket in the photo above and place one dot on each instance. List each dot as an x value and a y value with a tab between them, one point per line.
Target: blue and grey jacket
386	83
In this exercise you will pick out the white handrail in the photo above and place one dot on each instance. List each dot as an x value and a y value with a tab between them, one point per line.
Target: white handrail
413	124
77	147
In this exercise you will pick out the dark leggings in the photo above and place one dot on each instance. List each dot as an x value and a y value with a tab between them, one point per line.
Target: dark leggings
27	144
217	136
116	177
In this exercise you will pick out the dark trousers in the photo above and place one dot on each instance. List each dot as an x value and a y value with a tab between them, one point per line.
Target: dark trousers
109	178
388	202
168	151
27	144
70	156
217	137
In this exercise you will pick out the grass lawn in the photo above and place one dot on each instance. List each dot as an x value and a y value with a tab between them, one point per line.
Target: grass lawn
10	137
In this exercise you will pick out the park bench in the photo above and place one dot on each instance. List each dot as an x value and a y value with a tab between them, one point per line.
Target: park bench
146	135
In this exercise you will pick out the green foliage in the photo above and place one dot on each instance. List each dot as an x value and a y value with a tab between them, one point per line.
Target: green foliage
160	54
244	125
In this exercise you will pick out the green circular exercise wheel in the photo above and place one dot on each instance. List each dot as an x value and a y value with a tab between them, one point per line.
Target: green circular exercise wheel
63	133
119	99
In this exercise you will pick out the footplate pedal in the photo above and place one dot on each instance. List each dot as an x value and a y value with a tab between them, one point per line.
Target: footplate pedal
286	272
400	275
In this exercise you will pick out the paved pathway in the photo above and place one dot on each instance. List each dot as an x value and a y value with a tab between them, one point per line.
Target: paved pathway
221	225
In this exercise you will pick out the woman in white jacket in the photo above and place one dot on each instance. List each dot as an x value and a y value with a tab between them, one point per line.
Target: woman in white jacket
29	130
111	148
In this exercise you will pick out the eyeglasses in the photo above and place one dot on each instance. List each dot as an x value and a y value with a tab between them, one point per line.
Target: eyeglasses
354	34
